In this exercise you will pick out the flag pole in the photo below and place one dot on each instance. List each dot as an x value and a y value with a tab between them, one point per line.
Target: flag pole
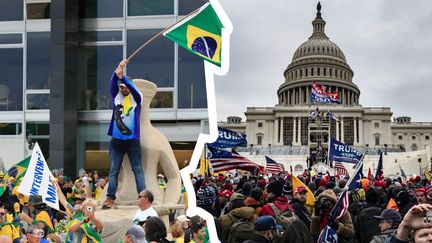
159	34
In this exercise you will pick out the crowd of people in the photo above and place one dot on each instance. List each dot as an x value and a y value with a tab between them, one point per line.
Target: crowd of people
29	219
269	209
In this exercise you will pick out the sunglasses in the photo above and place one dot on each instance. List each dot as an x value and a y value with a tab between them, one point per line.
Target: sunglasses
38	232
140	196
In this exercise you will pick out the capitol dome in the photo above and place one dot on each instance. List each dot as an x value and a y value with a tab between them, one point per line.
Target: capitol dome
321	60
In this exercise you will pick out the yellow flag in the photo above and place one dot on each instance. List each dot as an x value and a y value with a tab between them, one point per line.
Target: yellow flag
428	175
310	198
204	166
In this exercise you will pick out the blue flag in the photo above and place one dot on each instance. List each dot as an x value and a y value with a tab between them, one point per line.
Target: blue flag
343	153
328	235
354	182
213	152
379	170
228	139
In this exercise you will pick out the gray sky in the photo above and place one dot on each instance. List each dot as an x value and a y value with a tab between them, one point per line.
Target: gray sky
387	43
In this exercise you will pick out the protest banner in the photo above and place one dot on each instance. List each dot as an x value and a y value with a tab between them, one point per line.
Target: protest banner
38	180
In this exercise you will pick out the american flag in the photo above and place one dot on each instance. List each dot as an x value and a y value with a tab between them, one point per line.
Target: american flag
224	160
340	168
341	206
273	167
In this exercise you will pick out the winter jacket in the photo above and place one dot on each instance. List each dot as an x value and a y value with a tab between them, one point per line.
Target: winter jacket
382	237
346	227
367	224
251	202
257	239
301	211
226	221
281	203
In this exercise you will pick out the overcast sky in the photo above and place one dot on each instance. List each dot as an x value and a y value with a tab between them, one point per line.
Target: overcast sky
388	45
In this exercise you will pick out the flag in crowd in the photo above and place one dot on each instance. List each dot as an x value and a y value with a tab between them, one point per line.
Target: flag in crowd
369	176
402	172
354	181
328	235
379	171
228	139
224	160
38	180
340	207
273	167
340	168
310	198
319	94
199	33
17	171
341	152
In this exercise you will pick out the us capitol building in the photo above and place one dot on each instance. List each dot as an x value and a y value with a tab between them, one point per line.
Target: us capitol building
287	133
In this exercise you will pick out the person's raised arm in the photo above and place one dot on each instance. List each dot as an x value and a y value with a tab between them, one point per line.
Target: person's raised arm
413	220
118	74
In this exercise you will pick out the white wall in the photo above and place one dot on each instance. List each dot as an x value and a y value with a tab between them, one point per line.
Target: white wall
11	150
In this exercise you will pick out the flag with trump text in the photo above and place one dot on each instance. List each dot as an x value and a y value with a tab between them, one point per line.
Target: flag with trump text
341	152
16	172
320	94
224	160
38	180
199	33
310	198
228	139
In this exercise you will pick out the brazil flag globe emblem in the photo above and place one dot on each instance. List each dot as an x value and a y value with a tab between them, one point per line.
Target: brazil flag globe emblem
199	33
204	43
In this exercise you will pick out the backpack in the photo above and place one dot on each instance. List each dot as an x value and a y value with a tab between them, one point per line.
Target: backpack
241	230
283	218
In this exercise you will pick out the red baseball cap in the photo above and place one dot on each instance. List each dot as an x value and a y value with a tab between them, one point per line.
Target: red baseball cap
225	193
300	189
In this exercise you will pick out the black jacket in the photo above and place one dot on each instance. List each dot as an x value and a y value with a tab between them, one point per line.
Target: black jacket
301	211
257	239
368	224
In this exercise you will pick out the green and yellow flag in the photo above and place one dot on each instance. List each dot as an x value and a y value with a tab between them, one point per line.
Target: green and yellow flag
17	171
200	33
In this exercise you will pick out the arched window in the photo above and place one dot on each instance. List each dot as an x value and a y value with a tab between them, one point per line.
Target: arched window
312	72
301	73
330	72
377	139
318	71
414	147
259	138
325	71
306	72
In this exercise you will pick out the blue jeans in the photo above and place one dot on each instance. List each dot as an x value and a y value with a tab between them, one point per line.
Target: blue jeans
118	148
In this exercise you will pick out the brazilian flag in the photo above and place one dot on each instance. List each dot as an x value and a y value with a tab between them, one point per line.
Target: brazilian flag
17	171
200	33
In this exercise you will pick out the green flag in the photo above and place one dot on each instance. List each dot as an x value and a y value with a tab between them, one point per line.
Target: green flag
200	33
17	171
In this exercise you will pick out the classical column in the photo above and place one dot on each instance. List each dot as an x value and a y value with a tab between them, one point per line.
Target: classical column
299	131
300	95
342	130
343	96
361	142
355	131
307	95
294	130
337	130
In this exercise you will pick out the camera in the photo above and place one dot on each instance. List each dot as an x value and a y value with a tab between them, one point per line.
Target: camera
323	204
428	218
